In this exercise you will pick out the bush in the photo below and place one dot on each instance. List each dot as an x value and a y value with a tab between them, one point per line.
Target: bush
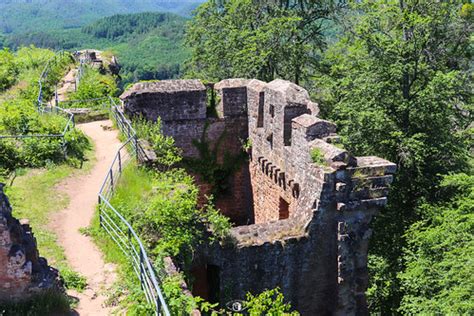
166	152
8	69
317	157
269	302
93	85
438	277
19	116
73	280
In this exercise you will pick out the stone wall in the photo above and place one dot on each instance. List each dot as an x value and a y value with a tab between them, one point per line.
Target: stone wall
308	220
181	106
23	272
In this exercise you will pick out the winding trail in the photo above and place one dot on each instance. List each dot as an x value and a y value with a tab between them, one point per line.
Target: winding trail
67	85
82	254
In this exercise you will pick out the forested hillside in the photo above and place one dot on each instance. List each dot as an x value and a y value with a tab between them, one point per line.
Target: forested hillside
148	45
23	16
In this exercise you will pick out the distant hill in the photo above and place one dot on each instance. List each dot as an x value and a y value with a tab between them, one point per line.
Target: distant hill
148	45
24	16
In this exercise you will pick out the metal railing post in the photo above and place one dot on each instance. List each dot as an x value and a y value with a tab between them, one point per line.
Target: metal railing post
120	161
141	269
135	138
111	179
100	212
56	102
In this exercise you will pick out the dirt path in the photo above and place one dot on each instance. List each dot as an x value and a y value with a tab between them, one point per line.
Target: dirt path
67	85
82	255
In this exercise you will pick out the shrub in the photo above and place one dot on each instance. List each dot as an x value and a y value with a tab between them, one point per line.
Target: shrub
166	152
269	302
46	303
93	85
73	280
8	69
318	157
19	116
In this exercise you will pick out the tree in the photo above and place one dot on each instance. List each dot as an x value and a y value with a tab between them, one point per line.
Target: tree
398	86
439	274
257	39
8	69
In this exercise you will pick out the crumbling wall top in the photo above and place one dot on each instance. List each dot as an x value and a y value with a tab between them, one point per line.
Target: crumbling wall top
164	86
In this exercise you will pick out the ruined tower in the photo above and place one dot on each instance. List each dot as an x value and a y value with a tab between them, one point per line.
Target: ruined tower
301	204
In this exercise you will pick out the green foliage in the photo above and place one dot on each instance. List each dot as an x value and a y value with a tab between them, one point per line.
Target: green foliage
146	52
247	145
269	302
213	171
124	24
167	153
93	85
318	157
219	224
179	303
438	278
46	303
264	40
18	116
163	200
398	86
73	280
8	69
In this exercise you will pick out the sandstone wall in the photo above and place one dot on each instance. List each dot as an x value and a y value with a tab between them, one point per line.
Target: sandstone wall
308	231
23	272
182	107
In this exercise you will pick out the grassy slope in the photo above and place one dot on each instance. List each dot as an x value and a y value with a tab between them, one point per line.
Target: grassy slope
34	196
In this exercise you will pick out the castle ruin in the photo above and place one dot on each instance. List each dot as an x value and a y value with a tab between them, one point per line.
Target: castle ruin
300	203
23	273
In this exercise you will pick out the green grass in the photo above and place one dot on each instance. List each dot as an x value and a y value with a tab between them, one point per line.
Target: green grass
34	196
317	157
135	183
46	303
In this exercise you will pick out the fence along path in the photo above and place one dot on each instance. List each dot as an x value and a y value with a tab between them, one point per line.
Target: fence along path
118	228
44	108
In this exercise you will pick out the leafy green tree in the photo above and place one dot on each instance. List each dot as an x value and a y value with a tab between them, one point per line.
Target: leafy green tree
8	69
398	85
257	39
439	274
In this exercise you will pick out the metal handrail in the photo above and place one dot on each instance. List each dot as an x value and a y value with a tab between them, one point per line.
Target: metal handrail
43	75
49	109
111	220
141	264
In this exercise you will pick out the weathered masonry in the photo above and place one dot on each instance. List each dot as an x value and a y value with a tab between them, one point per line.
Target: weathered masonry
23	273
300	225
